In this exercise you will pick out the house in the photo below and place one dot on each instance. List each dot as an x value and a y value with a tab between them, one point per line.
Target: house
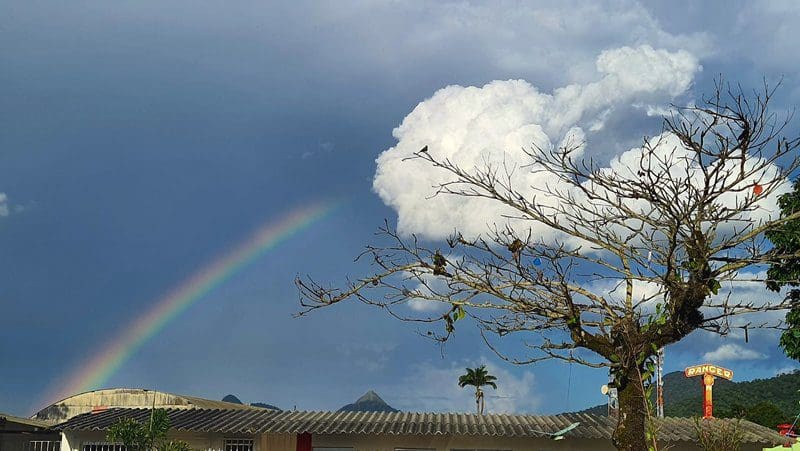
270	430
38	434
80	423
25	434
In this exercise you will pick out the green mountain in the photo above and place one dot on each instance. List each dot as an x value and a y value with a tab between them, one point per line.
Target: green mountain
370	402
232	399
236	400
760	400
781	390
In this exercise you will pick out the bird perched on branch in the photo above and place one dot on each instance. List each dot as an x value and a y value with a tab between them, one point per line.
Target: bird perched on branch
515	247
439	263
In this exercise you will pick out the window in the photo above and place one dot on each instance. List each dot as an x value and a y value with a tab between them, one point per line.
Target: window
43	445
103	446
238	444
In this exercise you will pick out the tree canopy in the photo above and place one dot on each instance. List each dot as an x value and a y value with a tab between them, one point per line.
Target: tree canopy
638	255
145	437
478	377
786	271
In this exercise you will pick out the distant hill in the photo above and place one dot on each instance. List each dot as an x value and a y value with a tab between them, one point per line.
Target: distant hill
232	398
683	396
235	400
780	390
370	402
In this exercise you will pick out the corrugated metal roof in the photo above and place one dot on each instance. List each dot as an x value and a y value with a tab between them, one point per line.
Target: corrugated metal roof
397	423
6	418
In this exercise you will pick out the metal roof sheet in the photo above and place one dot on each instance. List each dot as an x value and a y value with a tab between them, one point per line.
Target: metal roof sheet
32	422
253	421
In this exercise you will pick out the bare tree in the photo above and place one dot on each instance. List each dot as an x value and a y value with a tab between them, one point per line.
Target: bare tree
665	234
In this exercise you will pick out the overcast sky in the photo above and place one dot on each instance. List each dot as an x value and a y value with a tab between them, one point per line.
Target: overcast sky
141	140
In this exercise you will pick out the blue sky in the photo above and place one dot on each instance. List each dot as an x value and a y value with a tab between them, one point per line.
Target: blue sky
142	139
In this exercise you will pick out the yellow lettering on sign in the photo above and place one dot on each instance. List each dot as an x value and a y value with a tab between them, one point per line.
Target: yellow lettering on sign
707	368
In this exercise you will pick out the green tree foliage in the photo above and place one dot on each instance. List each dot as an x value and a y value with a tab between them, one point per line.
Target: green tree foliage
766	414
717	435
129	432
786	271
145	436
478	378
683	397
175	445
790	338
735	400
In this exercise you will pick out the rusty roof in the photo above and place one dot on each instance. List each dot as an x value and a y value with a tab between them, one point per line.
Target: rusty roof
255	421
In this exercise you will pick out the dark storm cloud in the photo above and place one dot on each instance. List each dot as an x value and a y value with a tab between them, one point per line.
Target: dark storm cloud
151	136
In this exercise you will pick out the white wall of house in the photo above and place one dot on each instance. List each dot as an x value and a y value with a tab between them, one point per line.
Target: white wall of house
449	443
73	441
278	442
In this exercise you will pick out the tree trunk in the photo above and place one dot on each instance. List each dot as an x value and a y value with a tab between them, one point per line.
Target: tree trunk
631	431
479	400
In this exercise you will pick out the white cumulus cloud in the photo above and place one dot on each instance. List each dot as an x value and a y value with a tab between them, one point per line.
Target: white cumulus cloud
732	351
429	286
684	166
425	305
476	126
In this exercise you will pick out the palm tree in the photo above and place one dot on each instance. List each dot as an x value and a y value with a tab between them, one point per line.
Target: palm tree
477	378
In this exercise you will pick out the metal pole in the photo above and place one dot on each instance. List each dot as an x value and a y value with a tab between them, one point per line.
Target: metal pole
152	414
660	383
708	397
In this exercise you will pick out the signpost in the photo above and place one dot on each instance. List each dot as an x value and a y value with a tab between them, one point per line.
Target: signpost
709	373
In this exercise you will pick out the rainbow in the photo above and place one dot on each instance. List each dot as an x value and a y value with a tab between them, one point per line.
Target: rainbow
97	370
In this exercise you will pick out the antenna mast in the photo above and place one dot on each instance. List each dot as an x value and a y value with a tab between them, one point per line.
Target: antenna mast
660	383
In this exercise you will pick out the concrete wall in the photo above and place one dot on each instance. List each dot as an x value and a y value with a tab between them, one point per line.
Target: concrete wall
278	442
73	441
85	402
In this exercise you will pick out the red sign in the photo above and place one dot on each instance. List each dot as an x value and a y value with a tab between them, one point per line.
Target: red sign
709	373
